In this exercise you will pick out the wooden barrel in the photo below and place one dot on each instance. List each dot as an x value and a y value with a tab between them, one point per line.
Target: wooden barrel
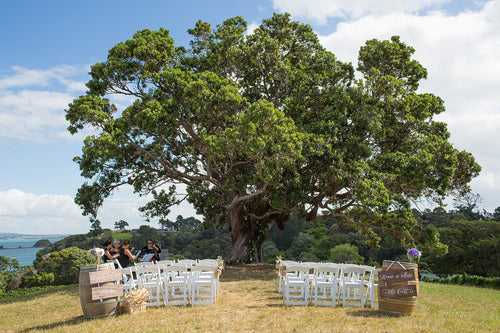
397	280
96	308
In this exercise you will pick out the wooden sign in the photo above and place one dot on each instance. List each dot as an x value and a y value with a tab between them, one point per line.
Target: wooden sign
395	291
108	291
110	275
397	275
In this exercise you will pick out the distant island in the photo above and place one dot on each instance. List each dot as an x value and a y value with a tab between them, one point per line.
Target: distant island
42	243
6	235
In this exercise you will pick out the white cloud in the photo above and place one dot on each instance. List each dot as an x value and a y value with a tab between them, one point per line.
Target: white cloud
32	102
32	115
24	77
321	10
30	213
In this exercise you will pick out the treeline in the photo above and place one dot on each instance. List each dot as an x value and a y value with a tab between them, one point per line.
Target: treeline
473	247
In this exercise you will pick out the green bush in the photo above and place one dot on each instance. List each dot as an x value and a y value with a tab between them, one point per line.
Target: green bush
345	253
470	280
38	279
65	264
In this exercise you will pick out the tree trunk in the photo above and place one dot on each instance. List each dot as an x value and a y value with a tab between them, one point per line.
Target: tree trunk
241	231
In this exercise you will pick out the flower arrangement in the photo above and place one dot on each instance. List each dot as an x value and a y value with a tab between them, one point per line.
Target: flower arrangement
219	266
414	255
136	297
279	262
97	253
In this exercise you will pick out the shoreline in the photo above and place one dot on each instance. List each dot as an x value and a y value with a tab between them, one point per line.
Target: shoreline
22	247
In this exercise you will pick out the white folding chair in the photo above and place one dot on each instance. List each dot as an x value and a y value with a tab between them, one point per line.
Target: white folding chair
296	287
325	285
188	262
353	282
143	263
207	262
370	286
203	287
175	285
282	274
129	283
165	262
117	263
149	277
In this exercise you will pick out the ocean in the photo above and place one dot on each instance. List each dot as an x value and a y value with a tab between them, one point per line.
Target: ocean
21	249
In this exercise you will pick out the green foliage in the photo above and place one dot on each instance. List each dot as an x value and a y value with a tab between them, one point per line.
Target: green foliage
470	280
10	273
38	279
260	126
121	224
64	265
269	252
473	248
24	291
345	253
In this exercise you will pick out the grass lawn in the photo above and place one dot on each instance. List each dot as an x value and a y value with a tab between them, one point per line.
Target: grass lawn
248	302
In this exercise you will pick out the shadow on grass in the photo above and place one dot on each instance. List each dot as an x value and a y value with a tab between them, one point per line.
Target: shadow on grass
72	321
234	273
372	313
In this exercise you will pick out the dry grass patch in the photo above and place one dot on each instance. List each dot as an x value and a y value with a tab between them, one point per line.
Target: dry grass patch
248	302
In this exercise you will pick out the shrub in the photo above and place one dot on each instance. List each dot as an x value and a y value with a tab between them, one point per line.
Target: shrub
65	264
345	253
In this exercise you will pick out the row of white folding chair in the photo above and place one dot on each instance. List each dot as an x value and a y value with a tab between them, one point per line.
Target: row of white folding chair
352	286
174	284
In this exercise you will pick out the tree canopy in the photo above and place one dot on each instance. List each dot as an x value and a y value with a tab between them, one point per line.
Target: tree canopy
259	125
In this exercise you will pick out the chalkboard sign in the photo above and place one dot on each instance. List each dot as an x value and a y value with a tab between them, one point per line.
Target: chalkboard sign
397	275
396	291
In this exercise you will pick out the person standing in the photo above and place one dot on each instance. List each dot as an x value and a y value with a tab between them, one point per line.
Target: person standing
125	254
108	255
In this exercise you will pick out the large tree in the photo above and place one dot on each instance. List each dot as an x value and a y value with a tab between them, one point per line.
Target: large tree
264	125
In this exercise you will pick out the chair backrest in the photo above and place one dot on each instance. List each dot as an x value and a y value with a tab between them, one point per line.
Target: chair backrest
144	263
202	271
127	274
117	264
207	262
332	271
164	262
175	271
147	274
300	271
351	273
189	262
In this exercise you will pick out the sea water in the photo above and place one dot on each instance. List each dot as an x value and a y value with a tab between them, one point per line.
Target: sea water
22	249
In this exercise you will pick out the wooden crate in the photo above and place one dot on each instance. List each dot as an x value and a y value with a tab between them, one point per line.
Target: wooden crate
132	308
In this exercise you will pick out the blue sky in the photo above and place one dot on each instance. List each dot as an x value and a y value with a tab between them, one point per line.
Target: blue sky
48	46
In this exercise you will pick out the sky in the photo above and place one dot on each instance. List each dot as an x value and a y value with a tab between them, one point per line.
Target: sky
47	48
